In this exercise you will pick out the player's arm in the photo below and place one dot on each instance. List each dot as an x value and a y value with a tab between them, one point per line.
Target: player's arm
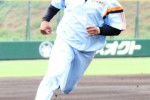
51	12
114	21
105	30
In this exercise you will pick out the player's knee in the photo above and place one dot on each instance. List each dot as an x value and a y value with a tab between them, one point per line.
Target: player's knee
66	90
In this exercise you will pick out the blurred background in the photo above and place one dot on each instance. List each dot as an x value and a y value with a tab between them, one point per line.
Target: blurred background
20	20
20	37
24	50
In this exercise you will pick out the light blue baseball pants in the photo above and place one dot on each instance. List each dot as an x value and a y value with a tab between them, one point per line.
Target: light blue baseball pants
66	66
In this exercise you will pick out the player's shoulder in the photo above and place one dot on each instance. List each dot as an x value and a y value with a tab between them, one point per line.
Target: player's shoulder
111	2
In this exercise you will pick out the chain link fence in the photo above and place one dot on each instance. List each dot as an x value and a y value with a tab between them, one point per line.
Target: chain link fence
20	20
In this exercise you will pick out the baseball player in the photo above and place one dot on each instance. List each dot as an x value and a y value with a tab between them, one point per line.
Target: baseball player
81	32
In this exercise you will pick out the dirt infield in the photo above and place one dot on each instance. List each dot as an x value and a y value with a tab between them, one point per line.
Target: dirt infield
89	88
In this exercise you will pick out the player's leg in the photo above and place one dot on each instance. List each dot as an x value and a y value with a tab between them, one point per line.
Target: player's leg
59	64
78	66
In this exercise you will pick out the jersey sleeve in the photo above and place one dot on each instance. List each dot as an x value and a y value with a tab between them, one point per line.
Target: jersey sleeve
114	15
60	4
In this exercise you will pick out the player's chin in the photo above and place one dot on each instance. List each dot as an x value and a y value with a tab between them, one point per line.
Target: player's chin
44	33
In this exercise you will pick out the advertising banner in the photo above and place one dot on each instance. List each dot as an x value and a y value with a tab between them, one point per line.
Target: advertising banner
42	49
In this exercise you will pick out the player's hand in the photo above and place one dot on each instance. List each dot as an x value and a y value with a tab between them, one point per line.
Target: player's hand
45	28
92	30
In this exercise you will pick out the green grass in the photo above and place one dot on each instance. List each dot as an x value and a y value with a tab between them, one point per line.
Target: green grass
22	68
13	16
102	66
119	66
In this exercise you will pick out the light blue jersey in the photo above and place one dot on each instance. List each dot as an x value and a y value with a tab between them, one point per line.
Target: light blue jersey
79	14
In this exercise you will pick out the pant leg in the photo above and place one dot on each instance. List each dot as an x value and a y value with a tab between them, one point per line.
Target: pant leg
78	66
66	67
59	64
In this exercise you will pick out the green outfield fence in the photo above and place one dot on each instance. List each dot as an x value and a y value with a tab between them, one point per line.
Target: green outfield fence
20	20
42	49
